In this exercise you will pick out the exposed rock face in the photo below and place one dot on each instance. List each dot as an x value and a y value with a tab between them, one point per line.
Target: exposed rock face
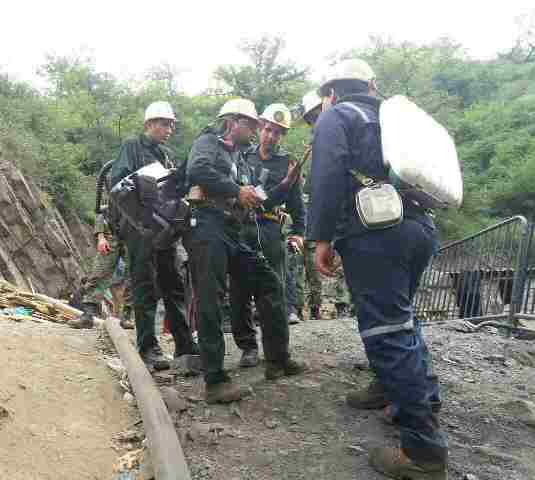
37	249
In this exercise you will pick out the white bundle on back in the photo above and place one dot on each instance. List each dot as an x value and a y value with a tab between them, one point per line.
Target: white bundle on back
421	154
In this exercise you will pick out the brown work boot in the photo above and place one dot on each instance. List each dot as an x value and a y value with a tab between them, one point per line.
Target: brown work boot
225	392
393	463
275	371
370	398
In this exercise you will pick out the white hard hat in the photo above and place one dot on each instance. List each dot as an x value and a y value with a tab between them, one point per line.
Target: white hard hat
311	101
352	69
279	114
239	106
159	110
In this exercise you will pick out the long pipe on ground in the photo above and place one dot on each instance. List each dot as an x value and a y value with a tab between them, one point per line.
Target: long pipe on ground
166	453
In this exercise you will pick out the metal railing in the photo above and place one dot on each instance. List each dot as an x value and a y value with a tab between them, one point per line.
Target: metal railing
481	277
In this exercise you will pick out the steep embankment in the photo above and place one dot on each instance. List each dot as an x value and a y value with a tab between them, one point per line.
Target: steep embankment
39	249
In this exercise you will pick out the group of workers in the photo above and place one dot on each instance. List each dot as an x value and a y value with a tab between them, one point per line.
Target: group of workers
238	193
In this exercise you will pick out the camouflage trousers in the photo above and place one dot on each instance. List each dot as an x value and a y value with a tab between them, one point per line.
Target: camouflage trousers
341	292
312	275
336	289
301	268
108	271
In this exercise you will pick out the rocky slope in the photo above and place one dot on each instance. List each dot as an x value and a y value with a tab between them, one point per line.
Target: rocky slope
39	249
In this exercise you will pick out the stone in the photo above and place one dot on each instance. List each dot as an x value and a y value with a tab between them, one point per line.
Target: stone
5	416
235	409
172	400
494	454
356	449
495	358
129	398
523	410
270	423
469	476
522	353
206	432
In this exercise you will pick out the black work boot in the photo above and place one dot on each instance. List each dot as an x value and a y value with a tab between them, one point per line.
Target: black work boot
370	398
275	371
192	350
315	312
86	320
154	357
249	358
225	392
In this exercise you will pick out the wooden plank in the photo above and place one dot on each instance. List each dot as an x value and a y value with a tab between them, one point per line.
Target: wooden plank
166	453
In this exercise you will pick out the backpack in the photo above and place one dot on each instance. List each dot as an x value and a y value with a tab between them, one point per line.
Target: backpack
418	153
151	200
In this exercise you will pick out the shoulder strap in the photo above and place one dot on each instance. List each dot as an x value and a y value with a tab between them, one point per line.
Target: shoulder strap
357	109
358	176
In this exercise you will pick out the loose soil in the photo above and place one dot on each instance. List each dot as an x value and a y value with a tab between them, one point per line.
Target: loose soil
60	408
59	405
301	428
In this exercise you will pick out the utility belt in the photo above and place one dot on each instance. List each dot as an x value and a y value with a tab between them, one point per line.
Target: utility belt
276	215
230	208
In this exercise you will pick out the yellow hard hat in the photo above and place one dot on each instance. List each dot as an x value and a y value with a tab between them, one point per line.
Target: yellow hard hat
279	114
239	106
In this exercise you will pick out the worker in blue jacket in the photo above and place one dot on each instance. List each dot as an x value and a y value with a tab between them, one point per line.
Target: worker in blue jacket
383	266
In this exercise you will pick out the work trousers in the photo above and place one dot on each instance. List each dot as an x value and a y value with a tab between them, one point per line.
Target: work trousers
383	269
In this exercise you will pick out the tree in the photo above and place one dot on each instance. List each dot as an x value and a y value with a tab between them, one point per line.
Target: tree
523	50
266	79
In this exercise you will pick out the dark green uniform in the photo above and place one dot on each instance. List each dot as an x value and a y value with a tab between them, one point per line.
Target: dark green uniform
145	261
272	241
215	246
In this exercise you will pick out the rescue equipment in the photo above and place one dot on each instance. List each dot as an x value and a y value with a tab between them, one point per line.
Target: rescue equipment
420	155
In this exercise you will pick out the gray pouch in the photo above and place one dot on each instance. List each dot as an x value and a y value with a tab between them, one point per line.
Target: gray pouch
379	206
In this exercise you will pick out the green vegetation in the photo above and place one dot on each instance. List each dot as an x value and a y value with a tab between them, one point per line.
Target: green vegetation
62	136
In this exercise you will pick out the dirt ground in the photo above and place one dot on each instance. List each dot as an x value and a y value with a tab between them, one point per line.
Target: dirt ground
60	408
59	405
301	428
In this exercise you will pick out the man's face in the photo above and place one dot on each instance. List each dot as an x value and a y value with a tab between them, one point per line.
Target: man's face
270	135
244	130
160	129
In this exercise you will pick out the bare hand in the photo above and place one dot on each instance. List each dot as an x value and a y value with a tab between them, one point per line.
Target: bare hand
325	259
249	198
294	171
298	240
103	246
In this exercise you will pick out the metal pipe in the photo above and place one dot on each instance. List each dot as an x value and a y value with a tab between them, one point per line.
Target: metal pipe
166	453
